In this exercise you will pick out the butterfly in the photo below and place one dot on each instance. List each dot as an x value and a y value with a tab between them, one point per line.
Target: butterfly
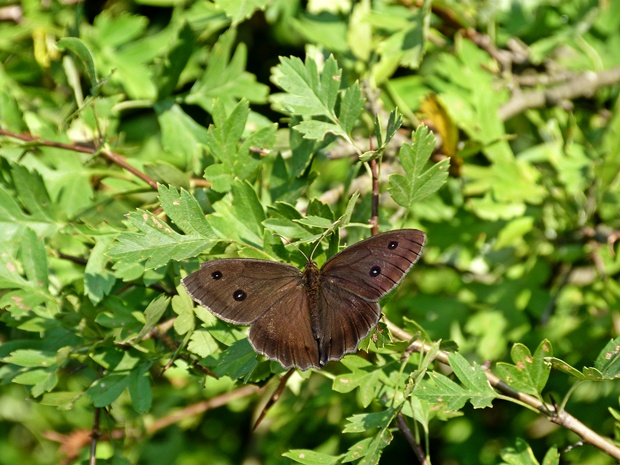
306	318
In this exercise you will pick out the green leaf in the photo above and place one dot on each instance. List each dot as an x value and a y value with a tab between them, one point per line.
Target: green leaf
184	211
418	184
351	106
521	454
202	343
238	361
440	390
564	367
180	134
98	281
140	390
474	380
608	361
239	217
31	358
363	376
34	258
183	306
81	50
308	92
530	373
60	399
368	451
33	195
155	243
552	457
367	421
106	390
153	313
226	78
310	457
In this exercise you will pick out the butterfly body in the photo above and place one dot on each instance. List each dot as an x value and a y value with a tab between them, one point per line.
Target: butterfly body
305	319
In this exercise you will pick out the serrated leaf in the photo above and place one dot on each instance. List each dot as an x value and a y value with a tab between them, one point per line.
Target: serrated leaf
474	380
33	194
180	134
225	77
418	184
287	228
441	390
367	421
308	92
351	106
368	451
310	457
183	209
363	376
317	130
155	243
239	217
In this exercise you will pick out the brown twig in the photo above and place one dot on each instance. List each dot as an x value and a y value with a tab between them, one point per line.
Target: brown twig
581	85
561	418
95	434
374	215
417	449
202	407
71	444
111	156
274	397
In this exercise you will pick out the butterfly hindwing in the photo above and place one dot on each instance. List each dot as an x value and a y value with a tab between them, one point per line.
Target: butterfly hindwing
284	332
345	324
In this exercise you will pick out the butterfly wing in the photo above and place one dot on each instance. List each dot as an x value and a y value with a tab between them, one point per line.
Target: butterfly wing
267	295
345	319
373	267
284	332
240	290
353	281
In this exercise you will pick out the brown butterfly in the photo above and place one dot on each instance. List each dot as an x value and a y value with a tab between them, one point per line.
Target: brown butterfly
305	319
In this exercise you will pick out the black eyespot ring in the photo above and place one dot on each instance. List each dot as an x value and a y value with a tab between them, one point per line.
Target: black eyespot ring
375	271
239	295
392	245
217	275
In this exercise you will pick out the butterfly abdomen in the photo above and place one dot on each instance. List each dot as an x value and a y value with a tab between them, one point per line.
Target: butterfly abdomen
312	284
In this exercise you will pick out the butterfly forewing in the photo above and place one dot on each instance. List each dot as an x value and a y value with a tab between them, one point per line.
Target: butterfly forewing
373	267
241	290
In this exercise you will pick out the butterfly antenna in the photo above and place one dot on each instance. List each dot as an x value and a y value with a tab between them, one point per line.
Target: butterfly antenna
323	236
294	245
